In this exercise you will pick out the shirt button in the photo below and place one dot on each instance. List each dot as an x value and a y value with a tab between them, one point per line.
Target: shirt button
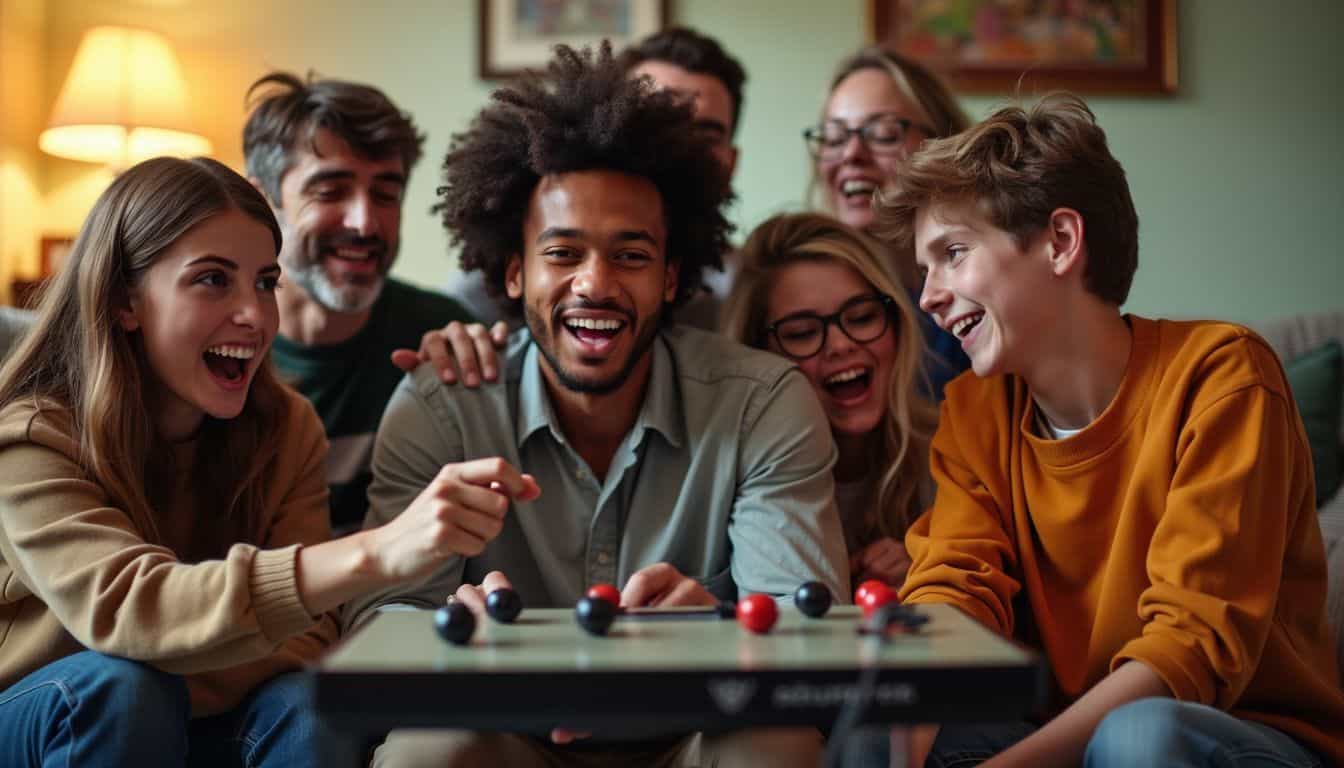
581	475
603	558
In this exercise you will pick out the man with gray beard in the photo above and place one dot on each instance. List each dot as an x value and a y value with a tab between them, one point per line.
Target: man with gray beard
333	159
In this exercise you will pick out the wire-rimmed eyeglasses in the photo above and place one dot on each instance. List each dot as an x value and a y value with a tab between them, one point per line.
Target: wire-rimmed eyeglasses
862	319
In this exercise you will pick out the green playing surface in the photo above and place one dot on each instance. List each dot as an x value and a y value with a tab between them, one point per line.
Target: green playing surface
549	640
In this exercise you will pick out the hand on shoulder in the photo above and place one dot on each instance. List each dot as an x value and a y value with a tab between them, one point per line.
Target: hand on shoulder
466	352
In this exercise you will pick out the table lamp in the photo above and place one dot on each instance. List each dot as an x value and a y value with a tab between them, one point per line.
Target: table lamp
123	101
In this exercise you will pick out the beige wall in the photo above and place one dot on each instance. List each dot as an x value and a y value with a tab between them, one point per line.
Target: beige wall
1236	177
21	84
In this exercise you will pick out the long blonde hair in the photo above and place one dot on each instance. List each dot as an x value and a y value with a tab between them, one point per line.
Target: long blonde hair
900	445
77	358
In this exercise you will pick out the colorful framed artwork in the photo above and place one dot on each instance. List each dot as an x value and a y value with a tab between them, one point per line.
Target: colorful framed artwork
517	35
1034	46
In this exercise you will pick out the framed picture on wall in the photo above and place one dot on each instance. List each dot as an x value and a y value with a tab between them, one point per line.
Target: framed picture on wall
1026	46
54	250
516	35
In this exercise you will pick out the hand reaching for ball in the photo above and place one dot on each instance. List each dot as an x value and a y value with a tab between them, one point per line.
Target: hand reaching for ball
458	513
474	595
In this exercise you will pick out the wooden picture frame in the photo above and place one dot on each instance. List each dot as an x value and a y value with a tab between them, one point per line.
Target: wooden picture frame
518	35
991	46
54	250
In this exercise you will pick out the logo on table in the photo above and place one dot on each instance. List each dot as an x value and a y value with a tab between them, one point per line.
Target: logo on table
807	695
731	694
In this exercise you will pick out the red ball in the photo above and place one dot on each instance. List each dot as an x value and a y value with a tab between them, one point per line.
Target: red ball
757	613
605	592
876	597
864	587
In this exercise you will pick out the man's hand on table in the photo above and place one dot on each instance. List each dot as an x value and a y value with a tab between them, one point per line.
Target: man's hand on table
661	584
473	595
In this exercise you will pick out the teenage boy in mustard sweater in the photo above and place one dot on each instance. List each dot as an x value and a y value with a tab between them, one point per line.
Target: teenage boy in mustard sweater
1132	497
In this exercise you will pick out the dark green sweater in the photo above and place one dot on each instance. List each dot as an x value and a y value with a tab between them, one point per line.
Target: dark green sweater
350	383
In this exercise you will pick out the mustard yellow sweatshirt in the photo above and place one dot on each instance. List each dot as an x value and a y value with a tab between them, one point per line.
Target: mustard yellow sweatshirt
1178	529
77	573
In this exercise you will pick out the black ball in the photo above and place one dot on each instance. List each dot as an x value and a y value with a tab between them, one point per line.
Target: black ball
503	605
594	615
813	599
455	623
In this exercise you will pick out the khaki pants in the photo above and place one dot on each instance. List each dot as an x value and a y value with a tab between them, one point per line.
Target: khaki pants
763	747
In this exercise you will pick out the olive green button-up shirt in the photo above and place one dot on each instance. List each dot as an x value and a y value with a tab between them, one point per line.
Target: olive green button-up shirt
726	474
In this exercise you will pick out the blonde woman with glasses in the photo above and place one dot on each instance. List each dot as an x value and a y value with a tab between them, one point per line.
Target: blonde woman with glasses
880	107
821	293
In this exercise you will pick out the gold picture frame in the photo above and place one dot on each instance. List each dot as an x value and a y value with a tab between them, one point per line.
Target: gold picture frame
998	46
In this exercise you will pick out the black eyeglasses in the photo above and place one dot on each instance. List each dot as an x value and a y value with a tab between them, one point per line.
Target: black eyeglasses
862	319
882	134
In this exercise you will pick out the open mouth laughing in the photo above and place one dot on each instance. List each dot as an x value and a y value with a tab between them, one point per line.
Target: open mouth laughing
356	260
849	385
594	334
229	363
963	327
857	191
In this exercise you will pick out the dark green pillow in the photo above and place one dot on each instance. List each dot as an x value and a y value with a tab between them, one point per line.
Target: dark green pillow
1316	381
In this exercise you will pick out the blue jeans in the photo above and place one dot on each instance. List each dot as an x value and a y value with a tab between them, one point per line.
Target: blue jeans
1147	732
89	709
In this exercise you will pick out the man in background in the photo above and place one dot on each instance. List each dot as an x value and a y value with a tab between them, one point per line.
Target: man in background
333	159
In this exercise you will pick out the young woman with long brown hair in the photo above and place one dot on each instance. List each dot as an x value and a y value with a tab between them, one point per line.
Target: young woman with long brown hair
164	563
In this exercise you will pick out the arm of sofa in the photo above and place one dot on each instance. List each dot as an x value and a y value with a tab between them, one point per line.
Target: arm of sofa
13	322
1332	531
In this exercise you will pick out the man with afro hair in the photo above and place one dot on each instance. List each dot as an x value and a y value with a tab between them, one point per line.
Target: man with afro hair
698	69
671	462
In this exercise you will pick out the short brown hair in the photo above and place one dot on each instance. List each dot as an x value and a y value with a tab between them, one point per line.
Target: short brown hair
700	54
289	110
1017	167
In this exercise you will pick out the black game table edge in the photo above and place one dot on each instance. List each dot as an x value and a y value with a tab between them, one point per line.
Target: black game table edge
669	701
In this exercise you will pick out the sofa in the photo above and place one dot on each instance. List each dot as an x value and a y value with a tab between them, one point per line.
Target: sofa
12	323
1300	342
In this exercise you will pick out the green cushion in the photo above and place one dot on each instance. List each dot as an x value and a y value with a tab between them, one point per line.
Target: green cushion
1316	381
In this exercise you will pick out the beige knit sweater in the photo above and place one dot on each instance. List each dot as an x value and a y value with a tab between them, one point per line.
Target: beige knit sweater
77	573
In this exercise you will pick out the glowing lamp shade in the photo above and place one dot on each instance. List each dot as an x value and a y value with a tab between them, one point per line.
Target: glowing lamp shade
123	101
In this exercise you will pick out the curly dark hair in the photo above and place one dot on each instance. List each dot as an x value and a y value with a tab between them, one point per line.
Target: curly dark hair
693	52
582	113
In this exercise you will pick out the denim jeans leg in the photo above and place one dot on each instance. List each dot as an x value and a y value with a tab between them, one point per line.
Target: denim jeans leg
1163	731
960	745
276	726
89	709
